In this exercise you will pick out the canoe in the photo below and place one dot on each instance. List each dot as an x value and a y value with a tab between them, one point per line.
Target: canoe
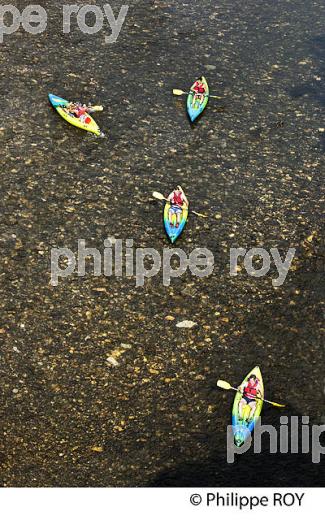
87	123
242	428
194	110
172	231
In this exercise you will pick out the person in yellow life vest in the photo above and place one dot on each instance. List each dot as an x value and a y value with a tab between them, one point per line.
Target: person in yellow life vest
250	390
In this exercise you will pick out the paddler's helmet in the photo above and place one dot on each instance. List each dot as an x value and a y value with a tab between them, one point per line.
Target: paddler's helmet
252	376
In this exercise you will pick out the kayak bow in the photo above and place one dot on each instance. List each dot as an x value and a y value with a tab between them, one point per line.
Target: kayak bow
172	231
242	428
86	123
195	108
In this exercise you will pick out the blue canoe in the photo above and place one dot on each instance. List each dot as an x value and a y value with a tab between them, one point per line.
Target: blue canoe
195	108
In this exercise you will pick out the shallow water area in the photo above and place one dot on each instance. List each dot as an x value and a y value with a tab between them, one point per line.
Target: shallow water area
253	162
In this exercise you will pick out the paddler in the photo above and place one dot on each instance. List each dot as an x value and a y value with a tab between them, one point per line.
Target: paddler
78	110
177	200
199	91
250	390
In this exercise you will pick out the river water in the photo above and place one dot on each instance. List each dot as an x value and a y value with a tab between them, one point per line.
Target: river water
252	163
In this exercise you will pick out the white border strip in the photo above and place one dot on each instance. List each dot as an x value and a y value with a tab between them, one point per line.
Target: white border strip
155	503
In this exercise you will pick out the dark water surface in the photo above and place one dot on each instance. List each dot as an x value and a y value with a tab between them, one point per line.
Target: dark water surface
256	157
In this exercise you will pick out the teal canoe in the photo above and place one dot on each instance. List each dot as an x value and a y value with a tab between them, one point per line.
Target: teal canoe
194	106
242	427
173	229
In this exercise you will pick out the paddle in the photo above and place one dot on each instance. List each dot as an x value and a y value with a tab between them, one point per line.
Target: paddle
178	92
227	386
160	196
96	108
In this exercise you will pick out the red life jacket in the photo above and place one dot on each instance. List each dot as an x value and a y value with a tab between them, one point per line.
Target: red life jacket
199	88
177	199
251	389
80	111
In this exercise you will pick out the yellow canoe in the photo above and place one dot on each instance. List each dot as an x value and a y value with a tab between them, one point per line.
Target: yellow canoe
85	122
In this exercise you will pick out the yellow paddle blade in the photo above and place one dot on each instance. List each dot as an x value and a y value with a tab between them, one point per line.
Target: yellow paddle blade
178	92
224	384
199	214
275	404
97	108
158	195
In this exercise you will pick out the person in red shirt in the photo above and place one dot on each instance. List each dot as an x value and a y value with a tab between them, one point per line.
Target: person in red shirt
177	200
250	390
199	90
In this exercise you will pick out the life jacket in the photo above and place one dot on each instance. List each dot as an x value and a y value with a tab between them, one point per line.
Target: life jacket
80	111
177	199
251	389
199	88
